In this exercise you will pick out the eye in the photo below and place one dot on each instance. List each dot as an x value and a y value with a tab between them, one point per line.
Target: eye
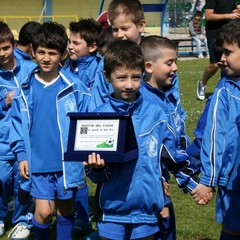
6	48
114	30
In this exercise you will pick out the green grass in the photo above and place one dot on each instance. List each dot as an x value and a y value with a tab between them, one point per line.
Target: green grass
193	222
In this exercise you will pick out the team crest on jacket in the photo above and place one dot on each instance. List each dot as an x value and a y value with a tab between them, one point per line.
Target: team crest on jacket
152	144
70	105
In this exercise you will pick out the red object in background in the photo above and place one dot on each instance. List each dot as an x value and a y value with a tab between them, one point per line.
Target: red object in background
103	19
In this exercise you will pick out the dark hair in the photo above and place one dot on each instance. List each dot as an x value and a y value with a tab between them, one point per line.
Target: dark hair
150	44
105	37
88	29
229	33
122	53
198	13
27	31
51	35
131	8
6	34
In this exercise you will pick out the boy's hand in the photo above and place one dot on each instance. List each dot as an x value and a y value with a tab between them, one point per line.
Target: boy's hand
203	194
9	98
95	161
166	189
23	169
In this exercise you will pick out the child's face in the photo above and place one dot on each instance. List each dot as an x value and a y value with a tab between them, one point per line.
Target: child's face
229	61
6	55
77	46
126	83
48	60
162	71
124	28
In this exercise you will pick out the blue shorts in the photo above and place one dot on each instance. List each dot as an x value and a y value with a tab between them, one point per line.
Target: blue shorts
228	209
49	186
121	231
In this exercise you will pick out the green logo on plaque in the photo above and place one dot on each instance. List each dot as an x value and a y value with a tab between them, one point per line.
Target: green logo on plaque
107	144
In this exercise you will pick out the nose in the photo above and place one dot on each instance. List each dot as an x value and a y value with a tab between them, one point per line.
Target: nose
119	34
70	45
46	58
129	84
175	67
223	57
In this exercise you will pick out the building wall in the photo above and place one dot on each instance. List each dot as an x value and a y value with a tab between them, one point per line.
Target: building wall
19	8
79	8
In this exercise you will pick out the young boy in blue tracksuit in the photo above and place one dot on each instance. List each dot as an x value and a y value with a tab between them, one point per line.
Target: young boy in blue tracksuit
39	132
160	86
82	49
12	74
127	22
220	144
83	61
132	211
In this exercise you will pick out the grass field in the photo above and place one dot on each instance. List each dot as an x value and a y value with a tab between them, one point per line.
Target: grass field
193	222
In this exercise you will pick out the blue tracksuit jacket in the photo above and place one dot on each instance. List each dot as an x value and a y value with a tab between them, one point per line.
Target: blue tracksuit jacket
170	102
221	144
86	69
10	81
139	197
72	97
19	54
101	89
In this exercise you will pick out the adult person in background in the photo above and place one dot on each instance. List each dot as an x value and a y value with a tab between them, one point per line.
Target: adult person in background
218	13
197	33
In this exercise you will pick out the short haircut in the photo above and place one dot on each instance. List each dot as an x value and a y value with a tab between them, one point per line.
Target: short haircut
27	31
229	33
105	37
88	29
6	34
51	35
150	44
122	53
131	8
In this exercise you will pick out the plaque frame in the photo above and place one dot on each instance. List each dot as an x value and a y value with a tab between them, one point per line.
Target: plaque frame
127	148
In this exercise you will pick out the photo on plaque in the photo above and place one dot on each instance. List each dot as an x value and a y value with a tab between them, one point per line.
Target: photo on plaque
109	134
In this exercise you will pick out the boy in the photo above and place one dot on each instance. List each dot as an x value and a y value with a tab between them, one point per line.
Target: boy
132	211
127	19
23	48
220	145
160	86
128	22
83	48
46	96
12	73
84	63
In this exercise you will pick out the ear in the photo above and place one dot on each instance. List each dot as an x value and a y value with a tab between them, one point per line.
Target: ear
33	53
148	67
106	77
92	48
142	25
64	55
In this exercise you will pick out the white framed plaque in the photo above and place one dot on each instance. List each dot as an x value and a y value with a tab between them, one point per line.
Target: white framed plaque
109	134
96	135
